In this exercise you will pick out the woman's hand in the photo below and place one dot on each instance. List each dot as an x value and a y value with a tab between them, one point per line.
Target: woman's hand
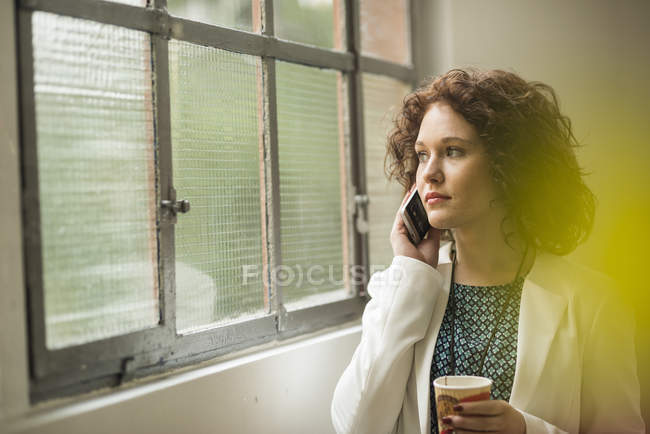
426	251
486	416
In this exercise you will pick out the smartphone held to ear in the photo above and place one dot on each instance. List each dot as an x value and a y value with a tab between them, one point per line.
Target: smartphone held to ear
415	217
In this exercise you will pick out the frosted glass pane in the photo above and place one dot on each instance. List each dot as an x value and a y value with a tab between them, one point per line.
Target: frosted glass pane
385	30
314	22
216	157
382	97
95	149
312	216
237	14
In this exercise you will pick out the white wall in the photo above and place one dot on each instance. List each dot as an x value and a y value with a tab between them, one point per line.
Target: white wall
596	55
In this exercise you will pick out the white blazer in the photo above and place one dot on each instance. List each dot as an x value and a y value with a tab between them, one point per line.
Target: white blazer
575	369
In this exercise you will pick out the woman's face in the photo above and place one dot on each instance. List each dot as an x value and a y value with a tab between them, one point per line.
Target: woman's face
453	163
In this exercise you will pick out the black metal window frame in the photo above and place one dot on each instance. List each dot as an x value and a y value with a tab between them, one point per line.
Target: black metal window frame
111	361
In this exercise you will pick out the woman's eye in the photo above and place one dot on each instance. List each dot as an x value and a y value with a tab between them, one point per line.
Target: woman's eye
422	156
454	152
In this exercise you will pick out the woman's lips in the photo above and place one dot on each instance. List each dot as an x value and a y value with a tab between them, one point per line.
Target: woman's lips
434	197
435	200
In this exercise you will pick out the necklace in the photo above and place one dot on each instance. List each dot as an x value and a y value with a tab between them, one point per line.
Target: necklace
496	326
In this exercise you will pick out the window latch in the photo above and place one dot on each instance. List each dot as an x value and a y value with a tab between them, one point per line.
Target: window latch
171	207
177	206
361	203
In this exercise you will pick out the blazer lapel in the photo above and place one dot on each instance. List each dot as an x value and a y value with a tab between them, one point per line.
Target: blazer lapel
540	314
423	352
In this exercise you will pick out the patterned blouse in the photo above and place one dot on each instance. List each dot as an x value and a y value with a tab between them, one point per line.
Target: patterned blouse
477	312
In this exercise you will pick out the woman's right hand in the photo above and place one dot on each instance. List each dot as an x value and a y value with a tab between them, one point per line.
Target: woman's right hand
426	251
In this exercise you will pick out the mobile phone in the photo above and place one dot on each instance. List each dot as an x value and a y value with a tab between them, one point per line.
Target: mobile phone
415	217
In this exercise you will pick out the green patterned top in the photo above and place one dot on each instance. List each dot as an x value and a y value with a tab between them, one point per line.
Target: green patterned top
477	312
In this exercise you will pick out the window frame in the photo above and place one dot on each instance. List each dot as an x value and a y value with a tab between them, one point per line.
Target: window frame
112	361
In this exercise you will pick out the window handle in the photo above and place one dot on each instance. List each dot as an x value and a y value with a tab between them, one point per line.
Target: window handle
361	203
170	207
176	206
361	199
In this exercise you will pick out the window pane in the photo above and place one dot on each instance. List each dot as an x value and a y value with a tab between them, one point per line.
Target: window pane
216	157
314	22
385	30
311	184
237	14
93	92
382	97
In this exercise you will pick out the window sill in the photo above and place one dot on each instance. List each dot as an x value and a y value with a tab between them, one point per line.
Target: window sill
277	387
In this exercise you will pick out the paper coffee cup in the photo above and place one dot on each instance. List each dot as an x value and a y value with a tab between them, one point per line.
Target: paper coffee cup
455	389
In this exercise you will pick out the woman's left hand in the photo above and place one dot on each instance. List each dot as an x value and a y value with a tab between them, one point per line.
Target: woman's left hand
487	416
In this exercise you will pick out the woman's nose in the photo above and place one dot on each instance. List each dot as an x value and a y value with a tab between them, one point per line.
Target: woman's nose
432	172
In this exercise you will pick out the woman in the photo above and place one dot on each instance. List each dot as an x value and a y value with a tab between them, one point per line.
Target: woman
493	160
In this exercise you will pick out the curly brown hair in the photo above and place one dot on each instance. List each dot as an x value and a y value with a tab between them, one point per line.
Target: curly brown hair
530	146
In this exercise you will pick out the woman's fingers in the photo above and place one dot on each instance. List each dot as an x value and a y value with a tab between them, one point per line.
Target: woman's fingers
433	234
408	193
398	224
495	416
486	407
430	246
477	423
425	251
465	431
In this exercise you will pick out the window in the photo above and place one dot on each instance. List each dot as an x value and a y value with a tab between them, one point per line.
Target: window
200	176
